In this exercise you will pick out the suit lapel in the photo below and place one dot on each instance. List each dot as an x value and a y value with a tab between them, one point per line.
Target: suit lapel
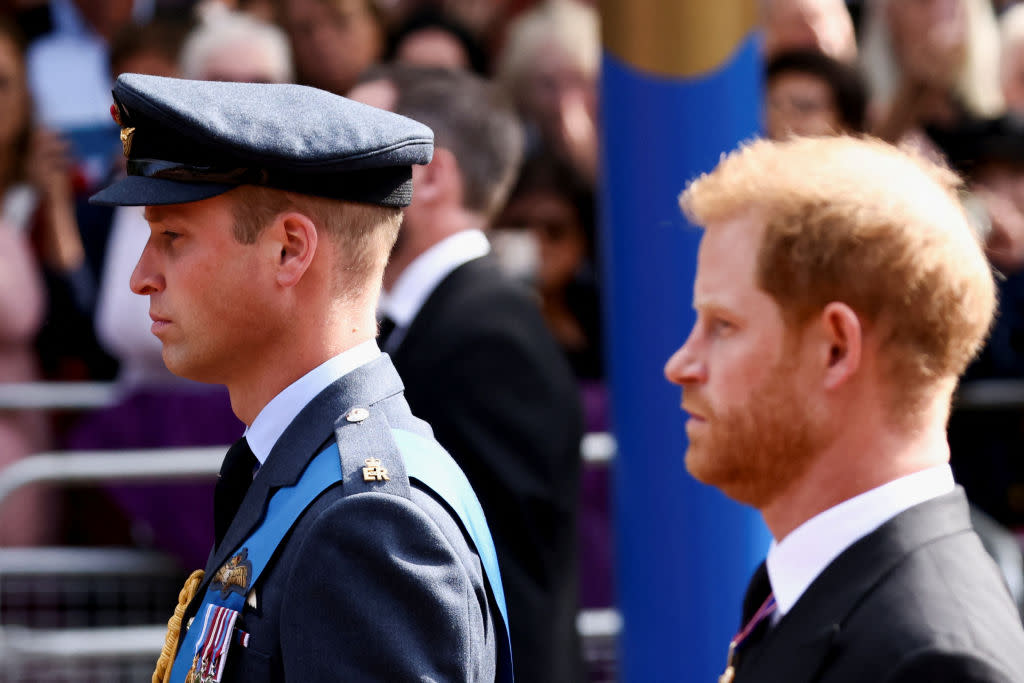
798	648
307	434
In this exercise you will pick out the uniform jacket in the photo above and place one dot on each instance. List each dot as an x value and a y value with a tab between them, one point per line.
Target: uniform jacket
917	600
369	585
481	367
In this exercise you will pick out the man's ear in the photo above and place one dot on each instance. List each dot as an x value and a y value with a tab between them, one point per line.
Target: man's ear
296	242
843	343
437	179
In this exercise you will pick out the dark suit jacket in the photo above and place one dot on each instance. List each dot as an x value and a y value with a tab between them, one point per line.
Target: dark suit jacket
917	600
481	367
369	585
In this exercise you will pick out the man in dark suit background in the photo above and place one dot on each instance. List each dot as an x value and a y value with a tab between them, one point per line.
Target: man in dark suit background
840	292
478	361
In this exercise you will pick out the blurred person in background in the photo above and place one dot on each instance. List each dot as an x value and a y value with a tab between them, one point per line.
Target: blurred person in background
33	187
230	45
554	209
432	38
333	41
477	359
986	445
821	25
152	47
809	93
69	76
929	63
264	10
1011	58
549	65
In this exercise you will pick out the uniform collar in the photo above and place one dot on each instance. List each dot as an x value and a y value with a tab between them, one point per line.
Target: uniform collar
275	417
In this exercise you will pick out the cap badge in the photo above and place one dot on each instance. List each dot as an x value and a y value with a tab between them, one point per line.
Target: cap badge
374	472
233	577
126	139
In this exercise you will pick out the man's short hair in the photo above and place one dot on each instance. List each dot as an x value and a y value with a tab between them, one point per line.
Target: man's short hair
864	223
471	118
361	234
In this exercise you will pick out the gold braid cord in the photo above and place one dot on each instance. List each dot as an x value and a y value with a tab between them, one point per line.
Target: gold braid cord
166	660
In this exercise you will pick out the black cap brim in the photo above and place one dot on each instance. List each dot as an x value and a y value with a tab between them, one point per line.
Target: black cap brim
143	191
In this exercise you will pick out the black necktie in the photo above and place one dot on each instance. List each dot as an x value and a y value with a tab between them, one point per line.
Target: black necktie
758	591
387	326
233	481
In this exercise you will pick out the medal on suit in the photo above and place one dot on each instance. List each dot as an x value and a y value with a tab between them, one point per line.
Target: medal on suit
766	608
730	670
211	651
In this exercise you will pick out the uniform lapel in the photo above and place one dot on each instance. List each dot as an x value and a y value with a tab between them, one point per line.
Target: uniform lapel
797	648
308	433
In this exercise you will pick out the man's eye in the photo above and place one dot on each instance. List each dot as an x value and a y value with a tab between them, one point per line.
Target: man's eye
719	326
169	235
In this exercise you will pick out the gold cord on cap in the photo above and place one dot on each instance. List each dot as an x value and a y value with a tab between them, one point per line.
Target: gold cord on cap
164	663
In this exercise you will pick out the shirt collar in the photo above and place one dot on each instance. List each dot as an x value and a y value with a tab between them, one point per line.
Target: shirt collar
796	561
275	417
405	298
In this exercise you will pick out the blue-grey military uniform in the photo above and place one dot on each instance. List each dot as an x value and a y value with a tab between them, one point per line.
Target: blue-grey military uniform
359	552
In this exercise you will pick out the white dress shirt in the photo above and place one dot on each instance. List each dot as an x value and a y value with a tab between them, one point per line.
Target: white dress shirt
405	298
275	417
795	562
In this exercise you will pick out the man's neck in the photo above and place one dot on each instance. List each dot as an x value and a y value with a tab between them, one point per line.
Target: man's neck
858	462
250	393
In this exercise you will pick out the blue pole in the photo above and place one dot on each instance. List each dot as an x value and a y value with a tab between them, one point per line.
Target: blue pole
680	86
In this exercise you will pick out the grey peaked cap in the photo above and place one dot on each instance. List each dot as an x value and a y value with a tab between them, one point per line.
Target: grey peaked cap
190	140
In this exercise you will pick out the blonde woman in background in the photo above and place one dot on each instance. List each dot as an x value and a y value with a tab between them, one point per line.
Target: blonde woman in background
1011	59
929	62
549	65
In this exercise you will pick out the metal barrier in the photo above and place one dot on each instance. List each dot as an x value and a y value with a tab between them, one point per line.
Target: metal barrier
85	467
83	614
57	395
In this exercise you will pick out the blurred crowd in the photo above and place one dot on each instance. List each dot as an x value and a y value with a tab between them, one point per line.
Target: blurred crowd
946	76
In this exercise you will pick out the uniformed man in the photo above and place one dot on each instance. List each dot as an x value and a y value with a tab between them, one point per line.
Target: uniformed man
349	545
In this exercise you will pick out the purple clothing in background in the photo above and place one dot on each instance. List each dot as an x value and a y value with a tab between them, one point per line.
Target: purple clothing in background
177	517
597	546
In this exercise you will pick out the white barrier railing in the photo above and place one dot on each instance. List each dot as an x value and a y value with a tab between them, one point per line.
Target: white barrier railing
84	467
57	395
19	643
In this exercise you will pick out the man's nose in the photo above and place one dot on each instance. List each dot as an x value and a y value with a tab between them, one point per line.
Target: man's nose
684	366
146	278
